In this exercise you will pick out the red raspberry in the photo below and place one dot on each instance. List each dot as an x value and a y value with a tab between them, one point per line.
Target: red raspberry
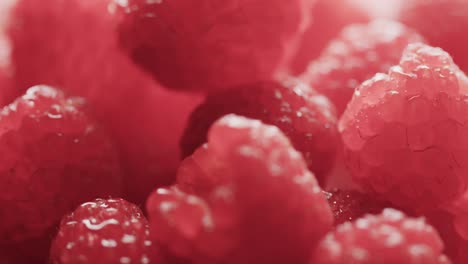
389	238
73	44
185	224
328	17
403	132
242	186
208	45
455	247
350	205
6	71
307	118
443	23
5	86
25	252
104	231
459	211
380	9
52	157
9	256
359	52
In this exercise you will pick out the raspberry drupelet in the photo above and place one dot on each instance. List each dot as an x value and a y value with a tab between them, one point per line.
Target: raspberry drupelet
53	156
234	193
307	118
404	133
355	55
210	45
388	238
104	231
443	23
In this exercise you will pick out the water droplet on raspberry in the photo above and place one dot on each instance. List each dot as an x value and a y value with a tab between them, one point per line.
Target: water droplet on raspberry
442	23
306	117
81	55
246	172
355	55
104	231
54	156
403	131
390	236
350	205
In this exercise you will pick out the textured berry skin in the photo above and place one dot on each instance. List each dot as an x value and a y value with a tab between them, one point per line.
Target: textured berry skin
104	231
53	157
455	247
404	132
443	23
307	118
388	238
210	45
358	53
350	205
234	193
458	211
328	18
73	44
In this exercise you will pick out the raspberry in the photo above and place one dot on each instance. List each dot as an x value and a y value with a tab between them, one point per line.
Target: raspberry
184	223
328	17
6	84
443	23
209	45
53	156
379	9
403	132
455	247
350	205
244	184
459	216
388	238
73	44
359	52
104	231
25	252
305	117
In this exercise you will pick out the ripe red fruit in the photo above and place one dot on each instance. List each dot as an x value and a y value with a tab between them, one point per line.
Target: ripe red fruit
53	157
210	45
5	86
443	23
459	216
306	117
34	250
234	193
389	238
455	247
350	205
73	44
328	17
403	131
106	232
6	71
355	55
